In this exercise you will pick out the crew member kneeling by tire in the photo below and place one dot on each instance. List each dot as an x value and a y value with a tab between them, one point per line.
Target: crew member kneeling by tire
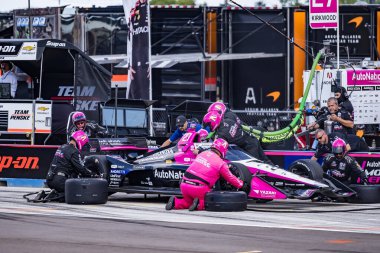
201	176
67	162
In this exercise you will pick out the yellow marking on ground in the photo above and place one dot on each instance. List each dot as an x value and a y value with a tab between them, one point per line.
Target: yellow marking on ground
340	241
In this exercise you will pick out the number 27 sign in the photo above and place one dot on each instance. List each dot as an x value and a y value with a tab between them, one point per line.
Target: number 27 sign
323	14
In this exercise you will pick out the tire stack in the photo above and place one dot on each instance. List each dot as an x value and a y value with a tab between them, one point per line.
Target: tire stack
86	191
221	201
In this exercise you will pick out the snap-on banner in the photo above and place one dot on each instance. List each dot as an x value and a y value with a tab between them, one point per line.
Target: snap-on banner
23	161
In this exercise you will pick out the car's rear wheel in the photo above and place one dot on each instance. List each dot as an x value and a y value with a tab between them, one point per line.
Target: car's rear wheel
241	172
307	168
366	194
97	164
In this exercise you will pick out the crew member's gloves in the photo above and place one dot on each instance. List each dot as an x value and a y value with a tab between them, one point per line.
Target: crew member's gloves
94	175
364	180
245	188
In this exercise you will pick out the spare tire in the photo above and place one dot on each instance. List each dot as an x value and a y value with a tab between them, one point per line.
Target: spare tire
366	194
221	201
307	168
86	191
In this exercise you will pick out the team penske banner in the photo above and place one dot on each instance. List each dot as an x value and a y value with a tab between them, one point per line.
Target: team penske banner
18	117
138	48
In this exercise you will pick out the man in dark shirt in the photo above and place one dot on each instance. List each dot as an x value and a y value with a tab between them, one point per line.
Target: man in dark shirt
341	119
67	162
325	142
341	95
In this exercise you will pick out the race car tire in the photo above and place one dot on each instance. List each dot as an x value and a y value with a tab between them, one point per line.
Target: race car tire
98	164
222	201
240	171
307	168
366	194
86	191
262	201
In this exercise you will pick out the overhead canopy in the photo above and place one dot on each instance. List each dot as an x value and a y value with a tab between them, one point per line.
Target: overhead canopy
60	71
169	60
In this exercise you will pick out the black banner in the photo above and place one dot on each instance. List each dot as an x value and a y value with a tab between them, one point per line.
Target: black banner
354	35
138	36
258	84
31	162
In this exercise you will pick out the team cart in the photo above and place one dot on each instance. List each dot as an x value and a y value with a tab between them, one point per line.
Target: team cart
161	171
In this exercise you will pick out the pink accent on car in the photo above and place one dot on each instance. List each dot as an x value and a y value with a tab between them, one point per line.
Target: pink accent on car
262	190
185	148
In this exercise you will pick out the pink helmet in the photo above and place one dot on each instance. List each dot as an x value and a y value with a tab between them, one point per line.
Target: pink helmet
217	107
202	134
212	119
338	146
78	116
80	138
221	145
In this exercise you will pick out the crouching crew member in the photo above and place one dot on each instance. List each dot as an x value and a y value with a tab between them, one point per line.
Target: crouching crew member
343	167
201	176
67	162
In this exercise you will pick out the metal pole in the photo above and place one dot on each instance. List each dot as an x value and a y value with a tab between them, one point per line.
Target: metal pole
30	20
116	95
338	39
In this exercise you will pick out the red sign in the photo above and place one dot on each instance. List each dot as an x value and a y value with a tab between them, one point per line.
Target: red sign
323	14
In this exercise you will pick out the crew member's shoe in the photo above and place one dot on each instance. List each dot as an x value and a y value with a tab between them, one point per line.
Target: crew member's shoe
195	204
170	204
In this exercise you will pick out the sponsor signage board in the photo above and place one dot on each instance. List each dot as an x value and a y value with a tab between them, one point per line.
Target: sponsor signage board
323	14
22	162
18	51
364	87
20	117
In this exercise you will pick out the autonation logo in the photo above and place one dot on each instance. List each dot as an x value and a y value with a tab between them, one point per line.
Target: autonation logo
366	76
373	164
169	174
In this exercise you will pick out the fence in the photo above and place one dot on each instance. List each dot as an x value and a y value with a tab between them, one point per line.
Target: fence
269	120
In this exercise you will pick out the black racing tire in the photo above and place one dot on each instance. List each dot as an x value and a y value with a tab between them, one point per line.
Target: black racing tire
240	171
262	201
307	168
222	201
86	191
366	194
98	164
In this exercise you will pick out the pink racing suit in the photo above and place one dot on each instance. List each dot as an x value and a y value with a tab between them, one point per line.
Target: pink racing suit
201	176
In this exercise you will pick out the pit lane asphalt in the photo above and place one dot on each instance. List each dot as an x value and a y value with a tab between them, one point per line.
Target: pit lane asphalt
130	223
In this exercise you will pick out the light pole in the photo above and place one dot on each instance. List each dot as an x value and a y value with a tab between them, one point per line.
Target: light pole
30	20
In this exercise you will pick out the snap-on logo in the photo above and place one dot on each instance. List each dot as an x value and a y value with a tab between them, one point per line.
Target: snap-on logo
21	162
7	49
55	44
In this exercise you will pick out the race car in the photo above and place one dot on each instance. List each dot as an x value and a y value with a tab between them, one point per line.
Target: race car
161	171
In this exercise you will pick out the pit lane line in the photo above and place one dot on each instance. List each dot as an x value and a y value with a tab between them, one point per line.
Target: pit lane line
142	211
